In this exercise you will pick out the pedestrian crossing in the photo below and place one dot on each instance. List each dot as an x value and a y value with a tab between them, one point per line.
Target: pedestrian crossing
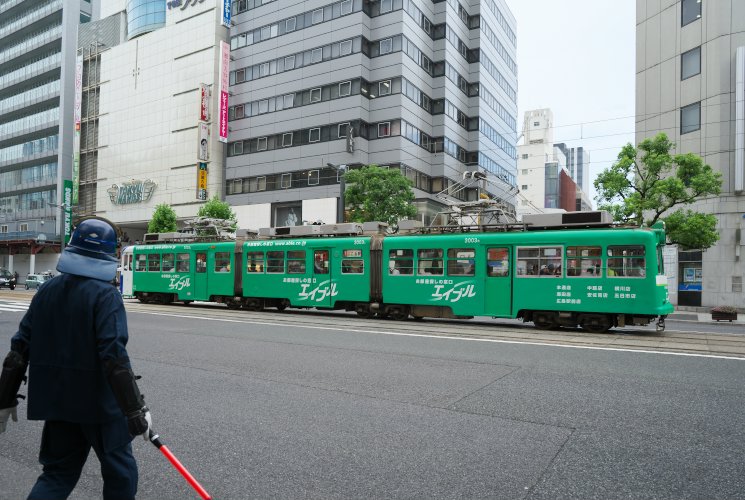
12	306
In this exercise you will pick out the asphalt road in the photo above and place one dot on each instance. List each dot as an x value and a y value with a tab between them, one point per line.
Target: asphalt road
313	406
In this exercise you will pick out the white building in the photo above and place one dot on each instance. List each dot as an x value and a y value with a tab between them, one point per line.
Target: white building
143	131
543	169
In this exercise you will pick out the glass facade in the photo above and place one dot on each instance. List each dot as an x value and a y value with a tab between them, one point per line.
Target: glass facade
144	16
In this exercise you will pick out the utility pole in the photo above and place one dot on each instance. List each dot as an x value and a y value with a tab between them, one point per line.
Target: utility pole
341	170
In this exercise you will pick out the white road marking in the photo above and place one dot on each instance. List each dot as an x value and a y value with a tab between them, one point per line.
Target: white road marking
447	337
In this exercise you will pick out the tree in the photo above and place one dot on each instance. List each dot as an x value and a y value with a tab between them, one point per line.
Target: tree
216	209
650	181
378	194
163	221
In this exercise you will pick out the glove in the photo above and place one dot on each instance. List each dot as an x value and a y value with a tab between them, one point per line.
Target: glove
140	423
5	414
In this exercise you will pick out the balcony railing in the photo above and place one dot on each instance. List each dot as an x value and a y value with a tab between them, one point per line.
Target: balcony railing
35	41
26	98
28	18
27	71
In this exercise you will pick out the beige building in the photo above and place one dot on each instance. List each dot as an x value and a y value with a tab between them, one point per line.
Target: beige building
690	57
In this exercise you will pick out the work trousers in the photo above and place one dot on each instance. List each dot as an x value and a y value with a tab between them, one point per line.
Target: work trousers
64	450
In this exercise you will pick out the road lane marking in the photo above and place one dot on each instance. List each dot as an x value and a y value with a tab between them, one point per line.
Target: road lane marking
450	337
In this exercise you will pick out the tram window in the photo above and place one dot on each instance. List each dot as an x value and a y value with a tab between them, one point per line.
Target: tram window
626	261
352	266
275	262
201	262
461	262
168	262
153	262
255	262
321	261
141	263
401	261
296	262
584	262
430	262
222	262
182	263
498	262
539	261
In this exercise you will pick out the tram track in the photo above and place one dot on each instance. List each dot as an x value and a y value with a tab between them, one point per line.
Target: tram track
672	341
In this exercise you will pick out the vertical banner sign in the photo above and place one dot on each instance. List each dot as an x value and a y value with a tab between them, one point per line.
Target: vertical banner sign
201	181
203	148
225	21
76	137
224	72
67	205
204	102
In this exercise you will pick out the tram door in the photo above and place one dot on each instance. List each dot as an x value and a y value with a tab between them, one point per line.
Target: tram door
200	277
498	281
322	287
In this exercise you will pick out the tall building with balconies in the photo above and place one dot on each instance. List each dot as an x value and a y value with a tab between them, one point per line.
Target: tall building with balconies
429	88
37	82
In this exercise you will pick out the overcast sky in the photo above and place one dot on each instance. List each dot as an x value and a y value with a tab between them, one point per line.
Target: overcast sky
577	57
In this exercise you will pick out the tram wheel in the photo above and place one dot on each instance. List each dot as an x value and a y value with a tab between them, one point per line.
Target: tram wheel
398	313
363	311
595	323
233	305
282	305
544	320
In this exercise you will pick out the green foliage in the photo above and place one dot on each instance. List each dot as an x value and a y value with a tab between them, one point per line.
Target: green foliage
217	209
163	221
646	182
378	194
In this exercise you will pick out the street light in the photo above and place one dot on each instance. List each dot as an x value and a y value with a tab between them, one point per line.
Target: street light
341	169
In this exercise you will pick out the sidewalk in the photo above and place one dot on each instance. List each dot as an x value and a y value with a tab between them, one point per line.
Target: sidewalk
702	317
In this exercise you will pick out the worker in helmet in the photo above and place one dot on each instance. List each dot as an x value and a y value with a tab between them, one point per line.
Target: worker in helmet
73	339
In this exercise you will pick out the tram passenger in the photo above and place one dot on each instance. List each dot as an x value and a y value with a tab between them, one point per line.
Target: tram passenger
81	381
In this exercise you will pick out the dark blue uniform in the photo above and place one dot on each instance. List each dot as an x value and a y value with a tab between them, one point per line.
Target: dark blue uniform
73	325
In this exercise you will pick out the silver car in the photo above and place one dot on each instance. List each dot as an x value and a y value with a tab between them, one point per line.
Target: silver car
36	280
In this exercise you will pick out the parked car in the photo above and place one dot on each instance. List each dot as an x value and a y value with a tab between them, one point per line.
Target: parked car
36	280
7	279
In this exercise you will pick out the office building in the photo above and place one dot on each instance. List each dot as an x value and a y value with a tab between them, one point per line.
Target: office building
37	82
690	84
318	86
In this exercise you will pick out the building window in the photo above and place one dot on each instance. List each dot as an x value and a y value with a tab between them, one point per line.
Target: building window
691	11
263	106
525	156
238	148
346	7
690	118
285	181
314	177
290	24
317	16
315	95
345	89
287	140
525	171
264	69
3	229
386	6
384	87
261	183
261	144
342	131
524	187
690	63
384	129
289	63
386	45
314	135
345	47
239	111
316	55
289	100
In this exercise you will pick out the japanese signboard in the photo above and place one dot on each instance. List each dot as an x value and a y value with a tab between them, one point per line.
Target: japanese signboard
201	181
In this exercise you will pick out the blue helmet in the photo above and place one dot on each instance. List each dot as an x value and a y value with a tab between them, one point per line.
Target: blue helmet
91	251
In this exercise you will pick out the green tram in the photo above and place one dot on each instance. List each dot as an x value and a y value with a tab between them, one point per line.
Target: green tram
596	278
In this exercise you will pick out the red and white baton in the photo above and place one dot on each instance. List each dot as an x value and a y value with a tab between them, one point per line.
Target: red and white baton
182	470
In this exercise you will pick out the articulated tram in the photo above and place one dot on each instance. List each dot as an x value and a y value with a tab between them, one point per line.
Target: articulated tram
593	277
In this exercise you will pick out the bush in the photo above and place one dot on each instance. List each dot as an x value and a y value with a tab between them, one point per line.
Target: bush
724	310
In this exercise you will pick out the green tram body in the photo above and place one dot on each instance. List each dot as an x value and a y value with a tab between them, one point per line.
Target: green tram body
595	278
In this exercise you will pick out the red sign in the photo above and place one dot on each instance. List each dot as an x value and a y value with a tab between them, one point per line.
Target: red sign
224	82
204	103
